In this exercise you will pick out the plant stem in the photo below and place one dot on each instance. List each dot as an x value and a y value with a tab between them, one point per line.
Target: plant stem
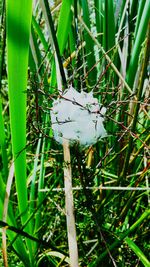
71	229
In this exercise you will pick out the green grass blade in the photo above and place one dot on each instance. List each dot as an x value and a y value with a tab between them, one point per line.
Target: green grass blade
3	145
138	252
54	43
2	128
40	34
18	244
109	25
137	45
143	62
36	55
98	20
34	178
139	15
18	22
18	29
41	37
89	46
64	24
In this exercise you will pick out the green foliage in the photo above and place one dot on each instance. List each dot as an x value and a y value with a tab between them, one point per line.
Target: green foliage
97	45
18	20
138	252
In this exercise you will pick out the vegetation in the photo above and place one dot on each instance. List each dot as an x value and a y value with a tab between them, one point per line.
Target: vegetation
101	46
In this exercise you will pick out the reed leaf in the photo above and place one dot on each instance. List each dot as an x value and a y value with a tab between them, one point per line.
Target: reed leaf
18	21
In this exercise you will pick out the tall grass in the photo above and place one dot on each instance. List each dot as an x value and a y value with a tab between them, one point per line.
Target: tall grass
94	45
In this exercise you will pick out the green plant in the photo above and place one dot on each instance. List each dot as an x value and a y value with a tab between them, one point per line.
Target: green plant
93	45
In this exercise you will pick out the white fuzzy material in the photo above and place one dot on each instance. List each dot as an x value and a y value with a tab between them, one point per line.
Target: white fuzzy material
77	117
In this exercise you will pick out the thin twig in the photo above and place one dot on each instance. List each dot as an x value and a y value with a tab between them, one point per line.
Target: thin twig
116	188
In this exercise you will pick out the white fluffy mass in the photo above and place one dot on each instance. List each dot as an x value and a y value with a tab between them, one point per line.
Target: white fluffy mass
77	117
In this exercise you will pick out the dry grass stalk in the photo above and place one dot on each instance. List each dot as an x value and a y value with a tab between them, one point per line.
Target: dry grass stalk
71	229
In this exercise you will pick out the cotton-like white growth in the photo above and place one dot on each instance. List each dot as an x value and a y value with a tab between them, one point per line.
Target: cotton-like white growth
77	117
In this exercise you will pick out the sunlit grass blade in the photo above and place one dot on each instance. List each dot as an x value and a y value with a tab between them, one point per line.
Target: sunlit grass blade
18	28
18	18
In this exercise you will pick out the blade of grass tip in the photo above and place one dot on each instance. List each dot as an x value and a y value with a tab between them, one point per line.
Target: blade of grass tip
138	252
18	23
